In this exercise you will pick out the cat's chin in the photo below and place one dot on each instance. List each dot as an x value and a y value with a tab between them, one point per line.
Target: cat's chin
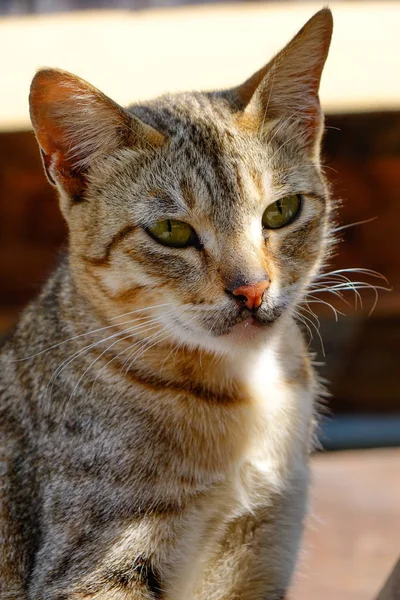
247	333
243	336
247	330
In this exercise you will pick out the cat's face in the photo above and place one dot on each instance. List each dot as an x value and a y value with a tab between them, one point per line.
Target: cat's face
209	207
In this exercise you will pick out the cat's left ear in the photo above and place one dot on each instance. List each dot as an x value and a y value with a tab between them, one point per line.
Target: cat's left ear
288	86
76	125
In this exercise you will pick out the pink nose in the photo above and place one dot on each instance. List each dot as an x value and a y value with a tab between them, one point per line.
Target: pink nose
252	293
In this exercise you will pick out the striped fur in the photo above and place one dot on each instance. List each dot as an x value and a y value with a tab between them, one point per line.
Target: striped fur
155	440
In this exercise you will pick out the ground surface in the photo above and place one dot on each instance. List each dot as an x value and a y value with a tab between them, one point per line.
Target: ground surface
352	539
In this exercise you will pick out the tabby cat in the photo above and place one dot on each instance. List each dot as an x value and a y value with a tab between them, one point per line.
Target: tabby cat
157	399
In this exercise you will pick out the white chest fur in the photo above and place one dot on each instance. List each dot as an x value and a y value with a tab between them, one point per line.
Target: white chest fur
271	465
283	406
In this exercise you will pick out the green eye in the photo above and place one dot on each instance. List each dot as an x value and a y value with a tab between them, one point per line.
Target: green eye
173	233
282	212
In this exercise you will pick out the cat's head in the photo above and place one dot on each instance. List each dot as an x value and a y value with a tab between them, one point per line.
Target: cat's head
210	206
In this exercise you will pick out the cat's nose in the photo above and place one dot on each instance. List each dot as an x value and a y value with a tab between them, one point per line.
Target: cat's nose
251	295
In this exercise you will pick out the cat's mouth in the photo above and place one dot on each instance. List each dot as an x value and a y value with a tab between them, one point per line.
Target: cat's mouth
245	323
247	329
248	324
233	324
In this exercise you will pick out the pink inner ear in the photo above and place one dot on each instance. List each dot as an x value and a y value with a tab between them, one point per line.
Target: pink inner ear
51	95
79	124
53	107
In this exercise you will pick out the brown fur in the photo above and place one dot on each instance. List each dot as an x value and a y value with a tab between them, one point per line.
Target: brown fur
155	432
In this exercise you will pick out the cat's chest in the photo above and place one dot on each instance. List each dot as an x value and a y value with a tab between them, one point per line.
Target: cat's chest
282	408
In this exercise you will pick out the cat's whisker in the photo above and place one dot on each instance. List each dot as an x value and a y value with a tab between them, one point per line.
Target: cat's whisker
67	361
345	281
203	307
76	387
360	270
299	317
154	323
348	225
297	166
353	286
142	343
130	356
312	313
137	343
86	333
132	312
323	166
175	348
336	284
136	329
337	290
311	322
82	351
146	348
336	293
131	349
313	300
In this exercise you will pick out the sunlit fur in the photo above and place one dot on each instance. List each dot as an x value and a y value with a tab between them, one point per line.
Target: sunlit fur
157	432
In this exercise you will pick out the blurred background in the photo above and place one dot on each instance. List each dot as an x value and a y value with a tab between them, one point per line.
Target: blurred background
135	49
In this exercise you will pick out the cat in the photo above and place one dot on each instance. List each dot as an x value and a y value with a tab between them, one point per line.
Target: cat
157	399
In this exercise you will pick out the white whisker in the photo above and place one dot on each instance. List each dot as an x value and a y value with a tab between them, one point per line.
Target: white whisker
336	229
311	322
138	328
132	312
82	351
311	299
75	355
336	282
157	340
299	317
86	333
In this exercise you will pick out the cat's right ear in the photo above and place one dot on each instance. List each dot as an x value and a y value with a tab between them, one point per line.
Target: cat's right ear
287	87
76	124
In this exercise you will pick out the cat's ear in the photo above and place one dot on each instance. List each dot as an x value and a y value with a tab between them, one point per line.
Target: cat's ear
76	124
288	85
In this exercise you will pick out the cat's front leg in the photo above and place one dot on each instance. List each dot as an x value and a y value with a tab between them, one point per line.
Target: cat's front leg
256	556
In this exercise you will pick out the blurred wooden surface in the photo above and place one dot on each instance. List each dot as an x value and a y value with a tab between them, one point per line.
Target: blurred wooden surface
352	537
